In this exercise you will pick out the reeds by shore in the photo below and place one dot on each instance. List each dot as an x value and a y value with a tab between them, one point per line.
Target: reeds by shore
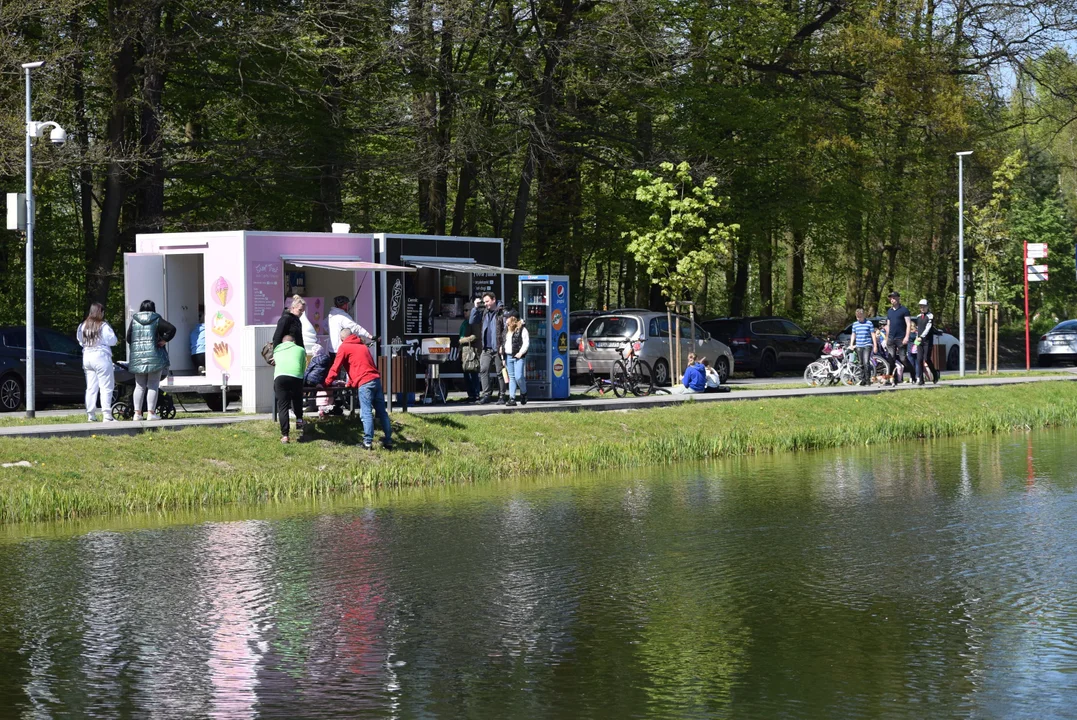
211	467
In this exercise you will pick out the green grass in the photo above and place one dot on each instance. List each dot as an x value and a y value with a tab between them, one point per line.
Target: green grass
215	467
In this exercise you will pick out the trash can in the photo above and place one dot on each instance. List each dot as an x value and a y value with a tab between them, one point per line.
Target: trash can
938	356
402	378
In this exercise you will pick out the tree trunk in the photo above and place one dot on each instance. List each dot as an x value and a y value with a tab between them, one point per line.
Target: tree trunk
116	183
794	291
740	281
765	253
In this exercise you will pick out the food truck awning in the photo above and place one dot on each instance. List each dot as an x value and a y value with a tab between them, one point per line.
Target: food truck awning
466	267
343	264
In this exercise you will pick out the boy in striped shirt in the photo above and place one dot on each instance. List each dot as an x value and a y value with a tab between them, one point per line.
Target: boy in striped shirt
864	343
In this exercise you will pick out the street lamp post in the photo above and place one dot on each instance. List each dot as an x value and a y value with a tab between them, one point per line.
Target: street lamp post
961	257
58	136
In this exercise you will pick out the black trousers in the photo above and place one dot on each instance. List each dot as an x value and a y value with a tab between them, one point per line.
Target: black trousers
289	394
490	360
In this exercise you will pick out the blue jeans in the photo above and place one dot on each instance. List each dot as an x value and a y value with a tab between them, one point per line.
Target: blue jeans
371	402
516	375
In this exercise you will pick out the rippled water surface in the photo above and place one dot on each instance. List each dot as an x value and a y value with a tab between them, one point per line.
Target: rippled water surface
919	580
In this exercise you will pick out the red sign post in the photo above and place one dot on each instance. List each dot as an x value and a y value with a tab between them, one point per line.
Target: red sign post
1035	273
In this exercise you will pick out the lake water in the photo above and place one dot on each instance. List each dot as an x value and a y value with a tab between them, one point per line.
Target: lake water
919	580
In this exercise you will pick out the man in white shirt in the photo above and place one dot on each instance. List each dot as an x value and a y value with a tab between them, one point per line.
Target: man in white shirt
339	319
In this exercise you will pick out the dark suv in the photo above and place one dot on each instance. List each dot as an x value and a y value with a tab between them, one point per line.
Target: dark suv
766	344
58	366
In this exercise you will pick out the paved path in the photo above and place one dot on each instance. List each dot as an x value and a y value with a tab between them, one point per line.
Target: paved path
630	403
85	429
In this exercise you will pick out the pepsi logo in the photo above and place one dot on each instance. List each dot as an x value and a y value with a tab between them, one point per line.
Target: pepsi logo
560	290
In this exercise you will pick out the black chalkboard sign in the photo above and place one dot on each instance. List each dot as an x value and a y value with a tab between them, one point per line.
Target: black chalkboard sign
413	316
481	283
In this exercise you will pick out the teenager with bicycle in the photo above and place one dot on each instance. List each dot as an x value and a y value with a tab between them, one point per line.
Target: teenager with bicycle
864	344
516	343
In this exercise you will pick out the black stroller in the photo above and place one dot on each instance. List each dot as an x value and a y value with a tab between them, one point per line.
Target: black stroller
123	405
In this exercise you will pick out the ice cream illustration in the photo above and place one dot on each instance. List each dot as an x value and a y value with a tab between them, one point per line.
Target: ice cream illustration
222	355
222	323
221	291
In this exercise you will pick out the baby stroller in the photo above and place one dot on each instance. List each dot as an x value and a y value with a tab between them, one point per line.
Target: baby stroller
123	404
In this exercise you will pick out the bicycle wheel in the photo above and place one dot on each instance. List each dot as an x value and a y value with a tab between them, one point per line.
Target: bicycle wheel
849	374
619	379
815	374
641	379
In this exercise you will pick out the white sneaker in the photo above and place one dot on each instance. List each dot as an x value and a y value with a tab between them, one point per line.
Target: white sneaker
109	419
90	417
153	417
138	417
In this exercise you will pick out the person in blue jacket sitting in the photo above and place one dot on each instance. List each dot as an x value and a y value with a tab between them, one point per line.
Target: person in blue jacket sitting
695	377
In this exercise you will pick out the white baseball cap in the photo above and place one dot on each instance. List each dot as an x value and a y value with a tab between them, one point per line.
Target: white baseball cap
923	302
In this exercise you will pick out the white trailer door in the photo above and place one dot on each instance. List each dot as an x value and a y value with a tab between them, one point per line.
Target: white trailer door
143	279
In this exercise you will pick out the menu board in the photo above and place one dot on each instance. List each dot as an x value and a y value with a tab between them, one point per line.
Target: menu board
413	316
482	283
266	283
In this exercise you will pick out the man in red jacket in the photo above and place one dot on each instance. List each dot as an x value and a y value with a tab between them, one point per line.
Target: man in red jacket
363	374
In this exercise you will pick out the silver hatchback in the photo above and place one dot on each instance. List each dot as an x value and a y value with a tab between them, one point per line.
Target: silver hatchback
1058	345
606	336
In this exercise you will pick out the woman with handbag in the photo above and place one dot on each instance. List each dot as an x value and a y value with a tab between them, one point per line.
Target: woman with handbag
469	359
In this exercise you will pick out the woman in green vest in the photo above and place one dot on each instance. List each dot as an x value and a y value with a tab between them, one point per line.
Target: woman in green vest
147	336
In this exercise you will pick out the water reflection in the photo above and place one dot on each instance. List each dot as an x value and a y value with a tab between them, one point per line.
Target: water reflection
857	583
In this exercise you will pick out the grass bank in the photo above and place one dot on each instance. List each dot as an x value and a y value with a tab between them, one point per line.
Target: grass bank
211	467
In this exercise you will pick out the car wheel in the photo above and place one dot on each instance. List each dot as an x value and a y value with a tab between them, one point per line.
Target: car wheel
1044	361
767	365
953	360
661	372
721	365
11	397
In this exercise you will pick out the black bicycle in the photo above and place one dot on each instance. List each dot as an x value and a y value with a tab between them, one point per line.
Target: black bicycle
631	374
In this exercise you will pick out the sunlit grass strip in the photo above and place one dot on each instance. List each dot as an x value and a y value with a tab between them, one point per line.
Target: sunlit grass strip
211	467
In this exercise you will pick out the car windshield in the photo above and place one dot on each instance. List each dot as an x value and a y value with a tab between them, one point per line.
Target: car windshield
1065	326
613	326
722	329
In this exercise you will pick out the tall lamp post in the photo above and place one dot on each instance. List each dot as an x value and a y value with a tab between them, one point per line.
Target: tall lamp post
961	257
58	136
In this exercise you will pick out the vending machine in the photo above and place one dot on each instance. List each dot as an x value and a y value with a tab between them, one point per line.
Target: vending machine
544	307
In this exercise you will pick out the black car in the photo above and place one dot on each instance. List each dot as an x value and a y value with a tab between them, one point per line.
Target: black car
58	368
766	344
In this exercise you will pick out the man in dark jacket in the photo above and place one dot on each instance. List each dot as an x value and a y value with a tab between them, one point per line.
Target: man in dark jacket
491	314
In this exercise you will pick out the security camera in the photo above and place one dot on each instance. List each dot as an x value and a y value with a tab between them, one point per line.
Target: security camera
58	136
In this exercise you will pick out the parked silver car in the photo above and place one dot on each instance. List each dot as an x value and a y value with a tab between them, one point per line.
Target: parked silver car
606	336
1058	345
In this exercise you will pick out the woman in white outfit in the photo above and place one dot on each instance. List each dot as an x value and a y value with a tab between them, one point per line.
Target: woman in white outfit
97	338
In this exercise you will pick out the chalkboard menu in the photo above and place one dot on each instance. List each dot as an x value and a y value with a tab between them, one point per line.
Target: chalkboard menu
416	317
266	281
482	283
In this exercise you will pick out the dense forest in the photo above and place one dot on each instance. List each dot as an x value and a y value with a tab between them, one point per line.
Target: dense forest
826	128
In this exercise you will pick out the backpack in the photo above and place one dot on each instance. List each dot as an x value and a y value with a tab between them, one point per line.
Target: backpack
469	359
267	353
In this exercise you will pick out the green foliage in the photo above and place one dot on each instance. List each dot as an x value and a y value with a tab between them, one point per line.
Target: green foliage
684	238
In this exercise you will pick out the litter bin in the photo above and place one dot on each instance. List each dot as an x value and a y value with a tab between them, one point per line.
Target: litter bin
402	379
938	356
